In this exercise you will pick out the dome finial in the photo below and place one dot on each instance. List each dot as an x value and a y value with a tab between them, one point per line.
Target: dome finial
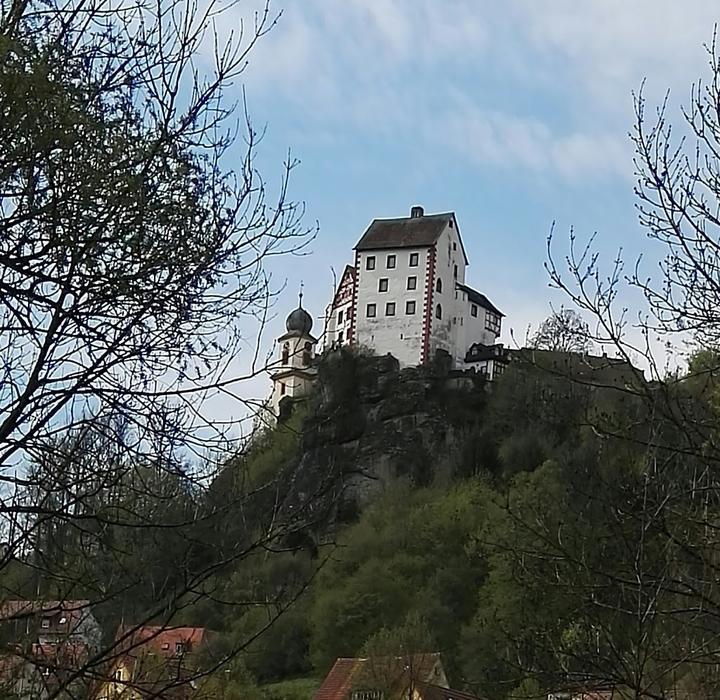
300	295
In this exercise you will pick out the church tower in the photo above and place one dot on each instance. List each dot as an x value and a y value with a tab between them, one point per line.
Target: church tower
293	373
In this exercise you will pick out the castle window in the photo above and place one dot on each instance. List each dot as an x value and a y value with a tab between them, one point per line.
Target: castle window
370	262
455	271
307	354
340	316
412	283
390	308
340	337
45	623
370	310
414	259
391	262
286	353
492	322
383	284
438	311
474	310
438	286
282	393
454	244
409	308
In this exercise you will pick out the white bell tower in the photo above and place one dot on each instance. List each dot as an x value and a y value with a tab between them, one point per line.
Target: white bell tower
293	372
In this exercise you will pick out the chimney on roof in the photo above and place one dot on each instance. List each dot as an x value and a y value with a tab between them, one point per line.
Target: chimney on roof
416	212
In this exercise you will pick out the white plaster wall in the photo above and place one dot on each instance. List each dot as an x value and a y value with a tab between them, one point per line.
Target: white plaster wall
335	327
294	385
446	333
475	327
400	335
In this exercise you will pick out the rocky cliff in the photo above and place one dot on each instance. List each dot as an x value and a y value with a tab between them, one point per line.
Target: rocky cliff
369	422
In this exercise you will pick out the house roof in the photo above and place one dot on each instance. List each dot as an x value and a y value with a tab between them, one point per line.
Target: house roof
428	691
160	640
73	610
347	674
480	299
405	232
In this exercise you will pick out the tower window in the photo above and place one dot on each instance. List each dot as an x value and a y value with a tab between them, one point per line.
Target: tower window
340	316
438	286
307	354
409	308
454	245
282	388
414	259
286	353
383	284
455	271
370	310
391	262
390	308
370	262
438	311
474	310
412	283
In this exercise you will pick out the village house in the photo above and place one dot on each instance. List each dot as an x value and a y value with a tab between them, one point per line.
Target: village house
409	677
46	642
153	661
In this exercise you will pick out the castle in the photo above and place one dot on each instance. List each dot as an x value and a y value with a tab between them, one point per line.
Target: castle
405	295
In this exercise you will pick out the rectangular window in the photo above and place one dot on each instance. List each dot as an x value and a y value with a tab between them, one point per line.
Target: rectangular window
473	310
492	322
409	308
370	262
412	283
340	337
390	308
414	259
383	284
390	262
45	623
340	316
179	647
370	310
454	245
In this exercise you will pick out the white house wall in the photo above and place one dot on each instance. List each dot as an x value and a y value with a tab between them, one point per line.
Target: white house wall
444	333
402	334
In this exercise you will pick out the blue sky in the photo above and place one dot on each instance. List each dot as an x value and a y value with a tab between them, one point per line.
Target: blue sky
513	114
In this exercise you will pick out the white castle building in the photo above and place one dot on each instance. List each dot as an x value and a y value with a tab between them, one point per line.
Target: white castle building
405	295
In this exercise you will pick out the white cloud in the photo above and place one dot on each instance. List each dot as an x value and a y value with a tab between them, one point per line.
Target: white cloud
375	64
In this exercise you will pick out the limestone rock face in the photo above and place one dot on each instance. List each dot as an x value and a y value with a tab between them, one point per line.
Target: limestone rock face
370	422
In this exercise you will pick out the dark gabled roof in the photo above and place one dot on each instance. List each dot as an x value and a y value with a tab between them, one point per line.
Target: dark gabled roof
428	691
480	299
406	232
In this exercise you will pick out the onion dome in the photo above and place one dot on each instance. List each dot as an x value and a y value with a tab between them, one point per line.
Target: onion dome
299	321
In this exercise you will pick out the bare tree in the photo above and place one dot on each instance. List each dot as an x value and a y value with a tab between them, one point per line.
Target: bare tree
668	572
133	269
564	331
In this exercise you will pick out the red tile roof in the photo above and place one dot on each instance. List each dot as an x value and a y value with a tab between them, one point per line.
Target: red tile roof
347	674
161	640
